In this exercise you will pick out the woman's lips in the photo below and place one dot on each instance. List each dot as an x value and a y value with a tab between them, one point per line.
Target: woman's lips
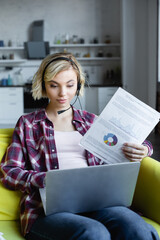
62	100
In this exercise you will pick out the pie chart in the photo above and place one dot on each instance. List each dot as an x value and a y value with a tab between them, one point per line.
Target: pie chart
110	139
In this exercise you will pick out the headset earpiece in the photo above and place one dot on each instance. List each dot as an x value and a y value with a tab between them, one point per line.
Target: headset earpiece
43	85
78	87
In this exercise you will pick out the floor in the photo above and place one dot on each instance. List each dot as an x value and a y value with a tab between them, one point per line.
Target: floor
154	138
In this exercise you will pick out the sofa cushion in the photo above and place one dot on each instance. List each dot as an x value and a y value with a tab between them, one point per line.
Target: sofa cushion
147	194
9	200
5	139
154	224
11	230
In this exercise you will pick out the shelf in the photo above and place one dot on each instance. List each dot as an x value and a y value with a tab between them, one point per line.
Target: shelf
36	63
11	48
98	58
85	45
68	46
7	61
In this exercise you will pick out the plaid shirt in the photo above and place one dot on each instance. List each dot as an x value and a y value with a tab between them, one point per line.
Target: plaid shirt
32	153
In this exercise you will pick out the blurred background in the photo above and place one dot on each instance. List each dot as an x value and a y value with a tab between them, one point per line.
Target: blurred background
116	41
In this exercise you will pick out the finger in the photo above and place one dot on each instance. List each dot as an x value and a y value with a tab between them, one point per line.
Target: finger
134	145
133	156
132	151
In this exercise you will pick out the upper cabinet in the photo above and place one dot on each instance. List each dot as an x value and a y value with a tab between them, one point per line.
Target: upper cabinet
11	106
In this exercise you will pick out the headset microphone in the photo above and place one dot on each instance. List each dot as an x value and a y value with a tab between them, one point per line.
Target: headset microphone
62	111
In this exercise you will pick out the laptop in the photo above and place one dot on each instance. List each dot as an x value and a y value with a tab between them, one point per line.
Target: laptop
91	188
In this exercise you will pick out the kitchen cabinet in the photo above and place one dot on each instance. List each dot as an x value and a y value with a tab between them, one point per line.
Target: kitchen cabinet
104	95
96	98
11	105
93	100
80	102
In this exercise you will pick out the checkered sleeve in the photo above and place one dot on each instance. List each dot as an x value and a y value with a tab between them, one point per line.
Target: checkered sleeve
13	168
148	144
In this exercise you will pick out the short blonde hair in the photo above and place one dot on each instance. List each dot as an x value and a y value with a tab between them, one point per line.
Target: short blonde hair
49	70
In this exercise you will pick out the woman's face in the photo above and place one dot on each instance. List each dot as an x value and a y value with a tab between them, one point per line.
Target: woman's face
62	88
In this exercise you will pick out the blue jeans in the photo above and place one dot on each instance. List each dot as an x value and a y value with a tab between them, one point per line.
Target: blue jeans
116	223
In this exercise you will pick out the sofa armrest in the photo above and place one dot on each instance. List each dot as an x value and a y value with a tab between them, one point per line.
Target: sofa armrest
9	200
147	193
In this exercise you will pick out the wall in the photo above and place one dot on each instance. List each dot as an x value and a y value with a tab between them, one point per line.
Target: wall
152	52
85	18
139	53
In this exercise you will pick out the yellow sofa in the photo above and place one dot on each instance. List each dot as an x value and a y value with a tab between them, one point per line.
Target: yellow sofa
146	198
9	200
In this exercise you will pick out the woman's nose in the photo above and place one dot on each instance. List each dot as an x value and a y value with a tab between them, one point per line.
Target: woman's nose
62	91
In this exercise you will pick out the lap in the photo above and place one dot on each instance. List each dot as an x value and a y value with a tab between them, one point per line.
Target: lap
122	222
66	226
113	222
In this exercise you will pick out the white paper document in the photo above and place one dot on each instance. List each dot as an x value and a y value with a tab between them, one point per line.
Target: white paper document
124	119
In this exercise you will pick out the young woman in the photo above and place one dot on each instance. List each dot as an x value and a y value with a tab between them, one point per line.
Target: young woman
49	139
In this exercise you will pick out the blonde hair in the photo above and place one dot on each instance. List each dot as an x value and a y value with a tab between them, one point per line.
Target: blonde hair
49	70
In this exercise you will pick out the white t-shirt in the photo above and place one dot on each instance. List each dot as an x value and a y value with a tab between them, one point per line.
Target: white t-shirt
70	153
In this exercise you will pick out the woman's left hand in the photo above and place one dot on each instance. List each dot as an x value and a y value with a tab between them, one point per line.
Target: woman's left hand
134	152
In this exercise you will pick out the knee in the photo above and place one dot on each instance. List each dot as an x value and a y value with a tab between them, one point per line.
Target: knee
143	231
134	227
129	225
94	230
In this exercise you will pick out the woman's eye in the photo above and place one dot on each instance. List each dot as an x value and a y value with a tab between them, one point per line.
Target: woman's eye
70	86
53	86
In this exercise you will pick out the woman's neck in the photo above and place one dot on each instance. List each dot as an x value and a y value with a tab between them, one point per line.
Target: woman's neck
63	121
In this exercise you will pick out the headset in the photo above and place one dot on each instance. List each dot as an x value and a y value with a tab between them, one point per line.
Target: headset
72	63
78	84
